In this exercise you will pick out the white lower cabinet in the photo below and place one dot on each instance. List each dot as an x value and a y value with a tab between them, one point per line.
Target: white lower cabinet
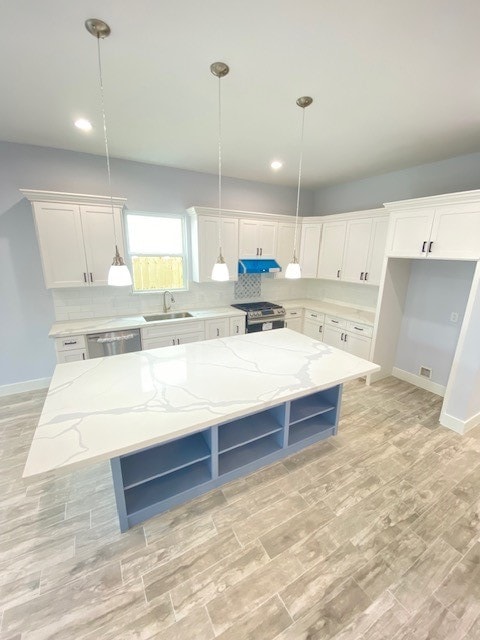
313	324
169	335
237	325
217	328
351	337
70	349
294	319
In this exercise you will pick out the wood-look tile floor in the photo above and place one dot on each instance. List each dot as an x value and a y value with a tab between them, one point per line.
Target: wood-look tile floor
373	534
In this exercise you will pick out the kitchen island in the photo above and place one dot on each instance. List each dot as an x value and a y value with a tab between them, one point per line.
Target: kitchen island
178	421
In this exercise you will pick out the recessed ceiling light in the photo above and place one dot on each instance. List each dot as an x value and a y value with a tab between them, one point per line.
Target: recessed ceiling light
276	164
83	124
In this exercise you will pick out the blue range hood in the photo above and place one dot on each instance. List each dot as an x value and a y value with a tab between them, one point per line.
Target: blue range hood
258	266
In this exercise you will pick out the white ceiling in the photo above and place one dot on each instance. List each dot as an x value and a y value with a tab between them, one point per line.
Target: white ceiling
395	82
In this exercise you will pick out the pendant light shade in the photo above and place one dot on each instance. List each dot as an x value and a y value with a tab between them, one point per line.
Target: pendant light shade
118	275
220	268
293	270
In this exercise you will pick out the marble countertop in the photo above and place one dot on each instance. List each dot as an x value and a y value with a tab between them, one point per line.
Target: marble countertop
102	408
355	314
92	325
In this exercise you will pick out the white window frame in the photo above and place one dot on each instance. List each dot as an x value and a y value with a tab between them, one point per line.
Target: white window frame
184	254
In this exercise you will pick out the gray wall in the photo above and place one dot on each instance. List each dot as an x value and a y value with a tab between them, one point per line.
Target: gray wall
427	336
456	174
26	306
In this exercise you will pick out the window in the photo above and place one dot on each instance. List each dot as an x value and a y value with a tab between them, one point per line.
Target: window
156	245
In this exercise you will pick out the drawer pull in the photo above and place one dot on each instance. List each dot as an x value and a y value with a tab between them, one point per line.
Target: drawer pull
314	315
358	328
334	321
68	342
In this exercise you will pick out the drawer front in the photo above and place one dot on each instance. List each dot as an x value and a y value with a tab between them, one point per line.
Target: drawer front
293	313
69	343
360	329
71	355
333	321
171	329
317	316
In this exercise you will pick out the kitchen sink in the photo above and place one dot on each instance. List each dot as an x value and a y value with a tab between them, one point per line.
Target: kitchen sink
168	316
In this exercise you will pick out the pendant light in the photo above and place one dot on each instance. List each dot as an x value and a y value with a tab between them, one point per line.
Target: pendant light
220	268
293	271
118	275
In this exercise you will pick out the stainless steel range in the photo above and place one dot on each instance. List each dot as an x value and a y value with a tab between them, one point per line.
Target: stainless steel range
262	316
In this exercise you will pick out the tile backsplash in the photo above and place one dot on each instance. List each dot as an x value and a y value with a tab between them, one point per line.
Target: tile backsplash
98	302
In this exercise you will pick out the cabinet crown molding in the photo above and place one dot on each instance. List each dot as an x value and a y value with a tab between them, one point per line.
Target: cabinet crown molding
233	213
459	197
34	195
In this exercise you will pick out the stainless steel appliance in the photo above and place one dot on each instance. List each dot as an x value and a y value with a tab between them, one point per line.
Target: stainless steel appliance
113	342
262	316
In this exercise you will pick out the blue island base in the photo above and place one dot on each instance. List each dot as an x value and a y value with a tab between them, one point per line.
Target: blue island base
150	481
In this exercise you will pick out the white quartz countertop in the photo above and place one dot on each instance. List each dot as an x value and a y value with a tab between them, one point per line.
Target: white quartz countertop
102	408
93	325
355	314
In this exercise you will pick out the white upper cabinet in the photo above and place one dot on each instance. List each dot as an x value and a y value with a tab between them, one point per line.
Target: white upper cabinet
357	245
364	250
310	248
257	238
205	246
286	236
59	232
331	250
456	233
410	233
444	227
100	227
77	241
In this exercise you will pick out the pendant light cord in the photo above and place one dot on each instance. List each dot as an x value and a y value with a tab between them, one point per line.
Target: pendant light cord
299	182
219	165
105	137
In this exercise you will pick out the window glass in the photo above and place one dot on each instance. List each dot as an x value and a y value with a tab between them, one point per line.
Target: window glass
156	245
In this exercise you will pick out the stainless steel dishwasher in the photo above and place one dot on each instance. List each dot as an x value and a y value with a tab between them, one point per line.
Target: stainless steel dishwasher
113	343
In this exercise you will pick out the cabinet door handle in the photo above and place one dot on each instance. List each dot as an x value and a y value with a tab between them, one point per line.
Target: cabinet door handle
173	340
341	337
361	275
320	328
91	276
424	246
366	276
430	245
338	273
84	277
261	251
83	356
218	332
237	329
178	340
257	251
345	338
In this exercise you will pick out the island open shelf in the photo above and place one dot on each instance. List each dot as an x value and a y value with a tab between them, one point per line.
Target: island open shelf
153	480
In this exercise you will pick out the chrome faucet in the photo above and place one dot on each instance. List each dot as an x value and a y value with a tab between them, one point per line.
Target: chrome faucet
166	307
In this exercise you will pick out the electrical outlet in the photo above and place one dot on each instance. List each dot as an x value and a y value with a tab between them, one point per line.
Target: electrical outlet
454	316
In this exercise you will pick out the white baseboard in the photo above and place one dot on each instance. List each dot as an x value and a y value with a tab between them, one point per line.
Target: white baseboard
21	387
460	426
419	381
